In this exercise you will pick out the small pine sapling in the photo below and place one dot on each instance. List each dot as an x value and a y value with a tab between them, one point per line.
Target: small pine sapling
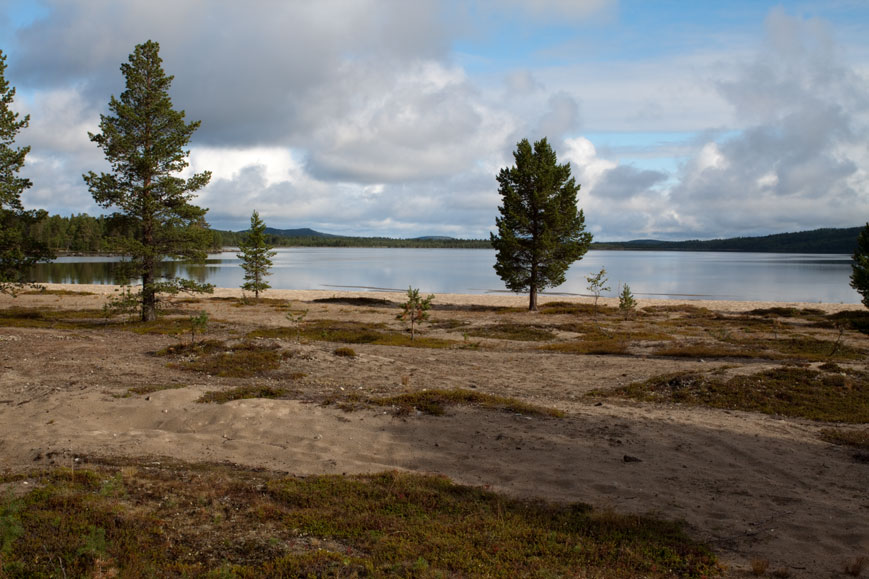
597	285
627	303
126	303
415	309
297	320
198	325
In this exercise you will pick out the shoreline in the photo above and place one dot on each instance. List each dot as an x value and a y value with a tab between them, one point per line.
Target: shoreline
504	300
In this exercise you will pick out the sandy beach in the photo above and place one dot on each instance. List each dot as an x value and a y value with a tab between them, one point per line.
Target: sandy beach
752	485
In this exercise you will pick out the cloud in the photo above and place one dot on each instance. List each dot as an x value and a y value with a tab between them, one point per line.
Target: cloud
797	164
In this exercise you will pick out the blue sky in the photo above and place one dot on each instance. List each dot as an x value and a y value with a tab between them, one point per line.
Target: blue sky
680	119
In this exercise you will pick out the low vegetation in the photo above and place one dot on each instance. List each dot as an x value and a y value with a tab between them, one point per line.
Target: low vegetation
243	393
151	388
170	519
788	391
349	332
241	360
512	331
434	402
858	439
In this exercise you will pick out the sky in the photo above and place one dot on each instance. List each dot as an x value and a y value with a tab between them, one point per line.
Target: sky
680	119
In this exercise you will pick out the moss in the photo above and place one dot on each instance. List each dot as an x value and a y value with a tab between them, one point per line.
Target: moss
352	333
243	393
854	438
593	345
151	388
435	401
171	519
787	390
512	331
238	361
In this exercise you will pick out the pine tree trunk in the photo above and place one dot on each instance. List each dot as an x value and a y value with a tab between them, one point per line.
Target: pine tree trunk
532	299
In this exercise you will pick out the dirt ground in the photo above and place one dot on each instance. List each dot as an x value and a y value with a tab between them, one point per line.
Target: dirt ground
751	485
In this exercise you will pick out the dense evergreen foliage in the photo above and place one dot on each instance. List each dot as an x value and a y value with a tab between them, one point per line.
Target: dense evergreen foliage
256	257
540	231
18	251
828	240
860	266
144	140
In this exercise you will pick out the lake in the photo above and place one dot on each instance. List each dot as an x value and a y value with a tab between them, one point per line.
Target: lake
782	277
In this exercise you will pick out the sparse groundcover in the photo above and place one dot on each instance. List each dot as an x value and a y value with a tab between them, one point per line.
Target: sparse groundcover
572	308
171	519
243	393
787	390
357	301
241	360
852	319
857	438
151	388
786	312
187	348
793	347
512	331
18	317
352	333
435	401
56	292
592	345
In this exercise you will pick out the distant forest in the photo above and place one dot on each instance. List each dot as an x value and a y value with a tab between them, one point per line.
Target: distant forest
815	241
86	234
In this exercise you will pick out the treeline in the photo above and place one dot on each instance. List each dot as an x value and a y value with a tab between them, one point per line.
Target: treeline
828	240
83	233
233	238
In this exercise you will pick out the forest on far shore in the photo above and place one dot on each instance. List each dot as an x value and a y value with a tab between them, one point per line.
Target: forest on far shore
86	234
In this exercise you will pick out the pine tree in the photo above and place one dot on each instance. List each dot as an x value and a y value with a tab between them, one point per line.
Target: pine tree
860	266
18	250
144	140
256	257
541	231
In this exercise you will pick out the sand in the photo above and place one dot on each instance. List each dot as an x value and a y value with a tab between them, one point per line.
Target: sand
751	485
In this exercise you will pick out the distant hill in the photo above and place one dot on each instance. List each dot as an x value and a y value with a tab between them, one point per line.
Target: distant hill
827	240
303	232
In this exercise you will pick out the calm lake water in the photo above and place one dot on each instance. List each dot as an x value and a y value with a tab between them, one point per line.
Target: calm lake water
782	277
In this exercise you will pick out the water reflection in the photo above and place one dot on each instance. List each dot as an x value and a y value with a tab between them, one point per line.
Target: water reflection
683	275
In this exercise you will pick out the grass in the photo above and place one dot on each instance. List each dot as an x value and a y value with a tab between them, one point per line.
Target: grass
238	361
434	402
787	391
345	352
243	393
512	331
170	519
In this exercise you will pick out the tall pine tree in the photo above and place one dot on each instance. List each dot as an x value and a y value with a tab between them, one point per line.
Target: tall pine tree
540	231
18	250
144	140
256	257
860	266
